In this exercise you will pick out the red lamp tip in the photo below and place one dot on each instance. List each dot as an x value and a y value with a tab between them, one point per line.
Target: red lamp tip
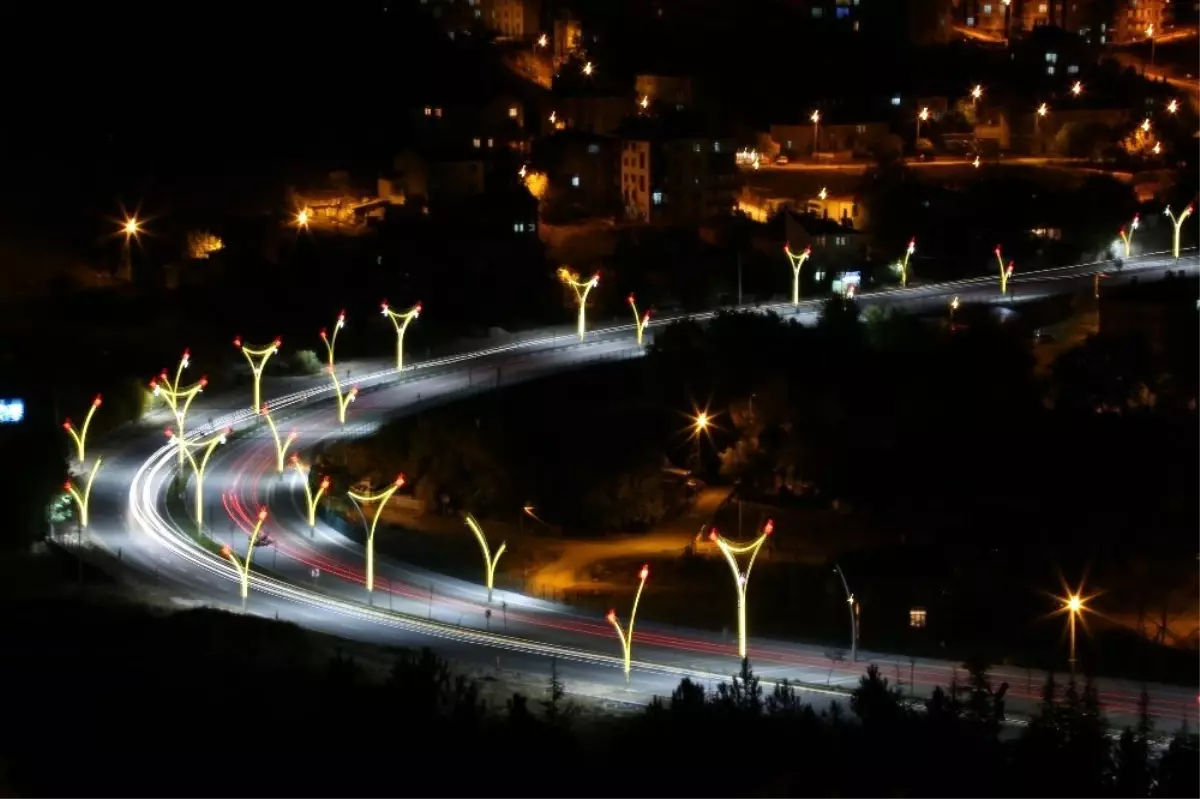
67	486
278	341
262	514
644	573
226	551
384	305
98	401
712	535
67	424
237	342
170	432
324	482
203	382
400	479
808	250
769	527
323	333
612	616
294	458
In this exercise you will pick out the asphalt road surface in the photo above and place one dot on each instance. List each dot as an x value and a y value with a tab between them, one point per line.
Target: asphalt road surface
315	577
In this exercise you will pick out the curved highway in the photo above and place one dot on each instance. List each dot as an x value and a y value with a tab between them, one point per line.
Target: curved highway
315	578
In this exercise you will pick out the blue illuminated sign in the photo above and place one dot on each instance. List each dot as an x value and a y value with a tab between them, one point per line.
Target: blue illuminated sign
11	411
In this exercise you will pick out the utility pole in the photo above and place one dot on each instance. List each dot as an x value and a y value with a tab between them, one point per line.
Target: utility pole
853	615
739	287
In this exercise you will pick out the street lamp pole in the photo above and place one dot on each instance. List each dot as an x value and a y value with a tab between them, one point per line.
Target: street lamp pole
380	499
1178	223
912	247
923	116
207	447
582	289
1005	271
837	567
639	322
257	357
312	500
741	579
489	560
626	636
243	566
401	321
797	262
82	500
179	400
815	118
1127	238
281	445
80	436
343	400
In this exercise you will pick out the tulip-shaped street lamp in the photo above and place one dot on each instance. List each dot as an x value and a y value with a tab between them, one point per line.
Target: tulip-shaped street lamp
582	290
489	560
205	448
902	266
257	357
741	579
343	398
243	566
626	636
281	444
380	499
178	399
400	321
80	436
1005	271
639	321
1177	221
82	499
312	501
797	262
1127	236
331	341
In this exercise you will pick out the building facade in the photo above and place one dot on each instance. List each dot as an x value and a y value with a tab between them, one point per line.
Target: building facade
677	179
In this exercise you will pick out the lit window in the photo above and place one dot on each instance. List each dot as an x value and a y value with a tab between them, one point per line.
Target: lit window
478	13
428	111
532	226
437	112
658	198
1073	69
1041	8
987	8
970	22
1049	70
518	227
512	112
895	99
716	147
917	618
789	144
491	142
476	142
842	13
696	147
593	148
860	128
1102	38
1051	58
575	181
818	13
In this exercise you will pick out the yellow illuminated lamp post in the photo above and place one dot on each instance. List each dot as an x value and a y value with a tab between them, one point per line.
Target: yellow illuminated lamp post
1177	221
626	636
1077	88
976	162
1173	107
582	290
797	262
921	117
639	321
178	399
302	218
903	265
1150	35
741	579
815	118
80	436
82	500
243	566
343	400
380	499
953	308
198	468
257	357
489	560
543	40
1005	271
976	94
313	500
588	69
281	445
1127	237
401	321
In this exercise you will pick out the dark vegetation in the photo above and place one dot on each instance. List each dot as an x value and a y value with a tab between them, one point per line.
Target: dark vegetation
120	702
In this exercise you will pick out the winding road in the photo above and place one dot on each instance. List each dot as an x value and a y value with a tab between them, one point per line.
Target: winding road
315	578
